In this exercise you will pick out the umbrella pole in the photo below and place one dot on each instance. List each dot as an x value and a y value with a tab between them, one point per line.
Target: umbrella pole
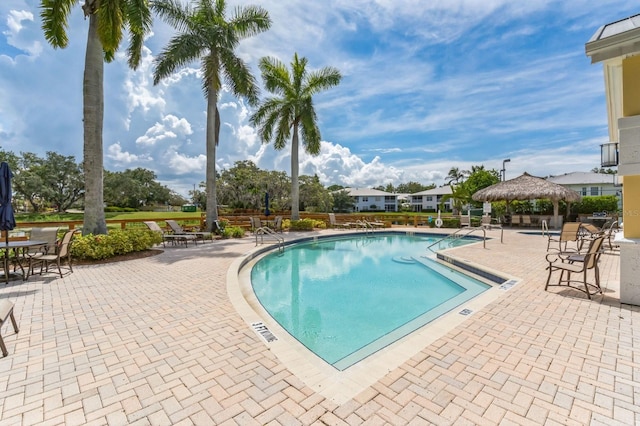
6	258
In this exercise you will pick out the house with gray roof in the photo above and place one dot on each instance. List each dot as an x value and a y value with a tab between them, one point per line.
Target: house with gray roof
588	183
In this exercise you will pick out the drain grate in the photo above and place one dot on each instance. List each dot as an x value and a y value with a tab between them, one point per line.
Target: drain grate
263	331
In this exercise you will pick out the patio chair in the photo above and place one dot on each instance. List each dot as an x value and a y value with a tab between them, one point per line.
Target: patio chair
61	254
465	221
49	235
172	238
609	232
176	229
6	312
571	262
277	224
255	223
570	233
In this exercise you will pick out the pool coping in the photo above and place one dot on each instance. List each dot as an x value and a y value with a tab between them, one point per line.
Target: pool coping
341	386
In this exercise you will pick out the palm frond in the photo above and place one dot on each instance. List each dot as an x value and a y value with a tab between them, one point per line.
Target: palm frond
250	20
139	21
181	50
110	25
173	12
238	76
275	75
322	79
55	15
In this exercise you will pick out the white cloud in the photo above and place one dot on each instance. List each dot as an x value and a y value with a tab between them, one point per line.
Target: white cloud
171	127
181	164
15	21
125	159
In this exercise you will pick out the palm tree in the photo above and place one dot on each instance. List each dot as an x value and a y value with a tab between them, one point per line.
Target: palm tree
292	111
205	33
455	175
107	21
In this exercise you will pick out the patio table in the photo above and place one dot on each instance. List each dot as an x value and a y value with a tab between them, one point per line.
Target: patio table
18	248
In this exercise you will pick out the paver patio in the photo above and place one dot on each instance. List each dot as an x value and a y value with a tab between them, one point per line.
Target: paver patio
157	341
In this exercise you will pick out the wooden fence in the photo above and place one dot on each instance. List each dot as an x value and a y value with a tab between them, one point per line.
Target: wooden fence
241	220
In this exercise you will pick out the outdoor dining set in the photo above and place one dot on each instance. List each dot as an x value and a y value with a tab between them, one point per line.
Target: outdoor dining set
42	248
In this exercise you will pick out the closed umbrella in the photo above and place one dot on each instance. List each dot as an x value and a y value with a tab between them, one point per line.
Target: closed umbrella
7	219
266	204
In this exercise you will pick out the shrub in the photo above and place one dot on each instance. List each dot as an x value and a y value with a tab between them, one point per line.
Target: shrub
116	242
233	232
302	225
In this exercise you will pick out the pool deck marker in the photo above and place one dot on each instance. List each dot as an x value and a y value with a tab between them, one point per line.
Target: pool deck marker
263	331
507	285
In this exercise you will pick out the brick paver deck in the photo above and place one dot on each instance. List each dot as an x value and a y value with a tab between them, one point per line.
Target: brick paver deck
157	341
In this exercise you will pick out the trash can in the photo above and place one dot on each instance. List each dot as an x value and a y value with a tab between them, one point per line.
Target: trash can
188	207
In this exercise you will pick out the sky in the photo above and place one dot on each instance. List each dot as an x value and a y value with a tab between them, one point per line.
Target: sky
426	86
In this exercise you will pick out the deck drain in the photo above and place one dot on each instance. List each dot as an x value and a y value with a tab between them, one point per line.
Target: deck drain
263	331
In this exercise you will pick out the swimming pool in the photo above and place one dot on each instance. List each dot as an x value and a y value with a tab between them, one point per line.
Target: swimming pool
347	298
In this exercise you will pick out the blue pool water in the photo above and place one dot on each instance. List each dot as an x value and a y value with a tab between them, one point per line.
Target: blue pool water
346	298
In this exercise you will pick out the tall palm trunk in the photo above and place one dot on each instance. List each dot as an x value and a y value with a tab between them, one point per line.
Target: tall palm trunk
212	140
295	167
93	100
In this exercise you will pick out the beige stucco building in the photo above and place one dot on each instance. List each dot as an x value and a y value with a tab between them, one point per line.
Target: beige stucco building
617	46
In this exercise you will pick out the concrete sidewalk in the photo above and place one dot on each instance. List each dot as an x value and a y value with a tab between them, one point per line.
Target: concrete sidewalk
157	341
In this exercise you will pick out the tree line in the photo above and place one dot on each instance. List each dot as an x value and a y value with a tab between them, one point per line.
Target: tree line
58	182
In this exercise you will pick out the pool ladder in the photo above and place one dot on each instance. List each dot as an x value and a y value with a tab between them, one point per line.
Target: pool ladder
270	233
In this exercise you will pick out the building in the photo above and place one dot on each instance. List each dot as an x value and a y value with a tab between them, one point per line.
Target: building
431	199
617	46
588	184
366	199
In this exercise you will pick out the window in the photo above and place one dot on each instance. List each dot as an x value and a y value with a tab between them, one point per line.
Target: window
365	199
595	191
429	198
584	191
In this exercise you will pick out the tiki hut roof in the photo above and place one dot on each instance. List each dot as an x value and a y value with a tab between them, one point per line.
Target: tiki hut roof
526	187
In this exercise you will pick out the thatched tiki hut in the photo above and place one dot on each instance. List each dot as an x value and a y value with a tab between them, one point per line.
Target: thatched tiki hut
527	187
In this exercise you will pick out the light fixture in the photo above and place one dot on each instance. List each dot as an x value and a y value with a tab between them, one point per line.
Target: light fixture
503	172
609	154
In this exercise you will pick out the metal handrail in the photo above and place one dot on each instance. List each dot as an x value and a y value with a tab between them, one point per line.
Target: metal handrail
456	235
265	230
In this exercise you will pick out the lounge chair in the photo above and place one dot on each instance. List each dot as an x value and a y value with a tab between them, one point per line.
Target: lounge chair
61	254
570	233
571	262
176	229
465	221
335	224
515	220
172	238
526	220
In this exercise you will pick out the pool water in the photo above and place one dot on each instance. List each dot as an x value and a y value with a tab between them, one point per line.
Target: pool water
347	298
